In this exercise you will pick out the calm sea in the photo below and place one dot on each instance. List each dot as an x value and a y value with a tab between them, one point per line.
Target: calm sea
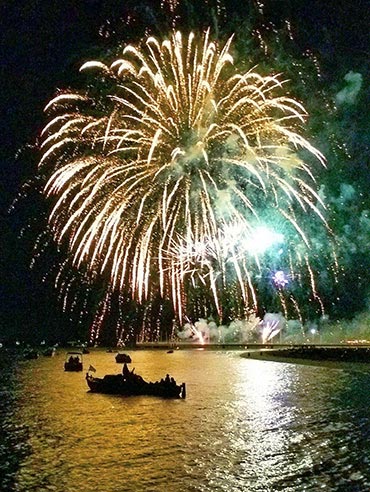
246	425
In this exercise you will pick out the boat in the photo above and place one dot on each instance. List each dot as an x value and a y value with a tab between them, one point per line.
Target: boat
83	349
49	352
29	354
73	361
121	358
130	384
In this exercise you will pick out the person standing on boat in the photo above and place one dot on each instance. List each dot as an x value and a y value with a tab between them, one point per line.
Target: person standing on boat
125	371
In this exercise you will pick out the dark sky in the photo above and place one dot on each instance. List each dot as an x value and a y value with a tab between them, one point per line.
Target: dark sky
42	44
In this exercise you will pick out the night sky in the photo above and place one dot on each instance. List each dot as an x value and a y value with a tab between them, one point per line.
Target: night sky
42	46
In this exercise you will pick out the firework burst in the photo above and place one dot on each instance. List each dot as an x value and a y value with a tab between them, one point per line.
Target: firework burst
158	174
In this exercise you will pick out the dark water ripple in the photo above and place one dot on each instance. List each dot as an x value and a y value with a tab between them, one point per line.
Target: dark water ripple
14	436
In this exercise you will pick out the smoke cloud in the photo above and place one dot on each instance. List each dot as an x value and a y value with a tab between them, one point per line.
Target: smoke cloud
349	93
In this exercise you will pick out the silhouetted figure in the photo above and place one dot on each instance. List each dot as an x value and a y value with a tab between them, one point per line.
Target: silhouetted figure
125	371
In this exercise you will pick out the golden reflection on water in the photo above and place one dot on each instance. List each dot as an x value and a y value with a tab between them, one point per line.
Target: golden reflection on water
243	422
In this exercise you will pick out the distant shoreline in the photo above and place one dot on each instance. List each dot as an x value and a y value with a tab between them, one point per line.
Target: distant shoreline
310	353
247	345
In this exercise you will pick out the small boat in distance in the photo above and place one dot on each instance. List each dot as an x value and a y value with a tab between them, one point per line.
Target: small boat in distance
29	354
130	384
73	361
49	352
121	358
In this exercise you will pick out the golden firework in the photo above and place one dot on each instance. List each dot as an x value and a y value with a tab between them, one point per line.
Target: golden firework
159	182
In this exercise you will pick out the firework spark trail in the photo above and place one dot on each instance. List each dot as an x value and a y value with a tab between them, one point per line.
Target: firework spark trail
147	182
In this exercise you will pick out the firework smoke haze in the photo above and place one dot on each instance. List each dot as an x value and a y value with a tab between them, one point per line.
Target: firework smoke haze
158	172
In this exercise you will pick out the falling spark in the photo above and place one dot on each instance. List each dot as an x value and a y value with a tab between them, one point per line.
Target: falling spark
270	329
147	182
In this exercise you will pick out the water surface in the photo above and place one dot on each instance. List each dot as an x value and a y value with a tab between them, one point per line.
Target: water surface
246	425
